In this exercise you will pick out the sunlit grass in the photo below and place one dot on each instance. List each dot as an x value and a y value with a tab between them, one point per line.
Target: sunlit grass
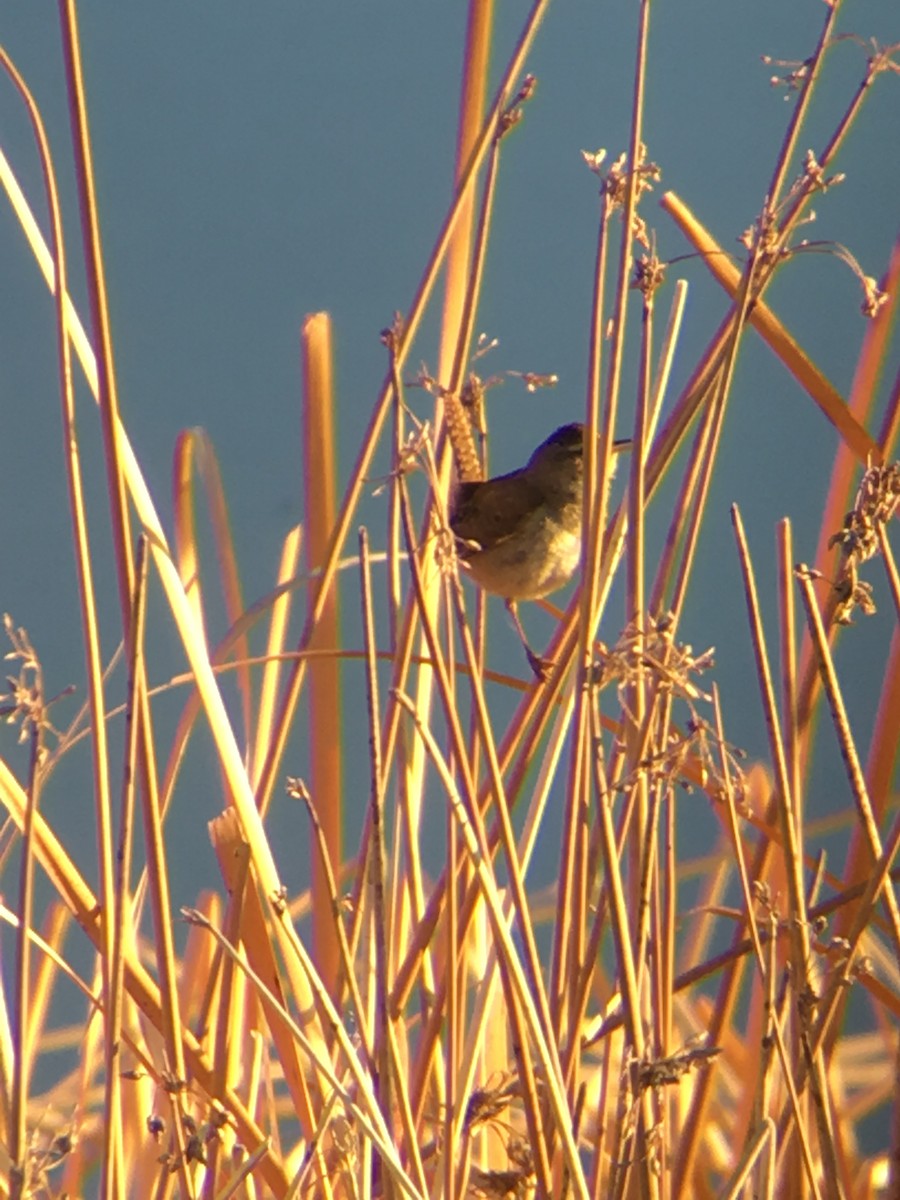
405	1030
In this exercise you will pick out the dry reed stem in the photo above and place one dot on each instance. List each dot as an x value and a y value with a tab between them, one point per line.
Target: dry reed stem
92	644
840	720
360	1102
324	699
459	313
776	336
111	1164
175	1070
275	647
674	570
810	78
106	395
784	800
97	303
194	455
511	968
230	848
381	1062
790	826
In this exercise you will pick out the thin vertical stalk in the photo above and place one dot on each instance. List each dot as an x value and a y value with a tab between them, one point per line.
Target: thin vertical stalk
861	404
278	624
112	1181
473	90
225	1033
569	928
161	907
325	738
598	455
109	418
786	802
636	615
789	698
195	459
77	511
383	1084
23	1048
847	746
97	302
649	1182
802	103
673	576
630	207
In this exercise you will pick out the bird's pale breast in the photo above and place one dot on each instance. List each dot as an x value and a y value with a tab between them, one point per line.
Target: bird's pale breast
541	556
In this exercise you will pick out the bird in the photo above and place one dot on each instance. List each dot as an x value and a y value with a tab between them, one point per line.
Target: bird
519	535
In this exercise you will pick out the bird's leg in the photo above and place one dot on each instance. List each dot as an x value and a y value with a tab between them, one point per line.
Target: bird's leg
540	666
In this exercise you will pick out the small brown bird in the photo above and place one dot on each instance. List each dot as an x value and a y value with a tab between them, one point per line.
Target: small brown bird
519	535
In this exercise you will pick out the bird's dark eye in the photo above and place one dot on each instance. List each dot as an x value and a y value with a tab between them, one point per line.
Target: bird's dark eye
571	437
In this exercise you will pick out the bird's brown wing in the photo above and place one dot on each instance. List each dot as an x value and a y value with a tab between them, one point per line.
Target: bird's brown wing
489	511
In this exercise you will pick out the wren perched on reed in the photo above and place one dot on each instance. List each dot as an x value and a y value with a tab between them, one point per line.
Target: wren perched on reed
519	535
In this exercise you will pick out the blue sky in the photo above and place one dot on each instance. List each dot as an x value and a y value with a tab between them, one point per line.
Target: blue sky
259	162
